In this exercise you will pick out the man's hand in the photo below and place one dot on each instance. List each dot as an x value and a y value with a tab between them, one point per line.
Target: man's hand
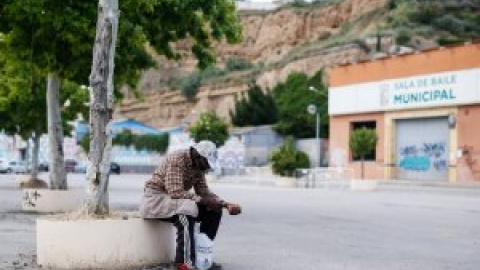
211	202
233	209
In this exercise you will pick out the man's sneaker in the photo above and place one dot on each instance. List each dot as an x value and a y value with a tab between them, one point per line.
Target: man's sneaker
215	266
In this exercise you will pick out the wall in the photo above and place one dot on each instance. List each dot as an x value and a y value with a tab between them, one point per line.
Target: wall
438	60
340	156
309	145
468	125
259	142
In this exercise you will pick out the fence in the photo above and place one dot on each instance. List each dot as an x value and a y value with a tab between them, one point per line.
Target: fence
333	177
323	177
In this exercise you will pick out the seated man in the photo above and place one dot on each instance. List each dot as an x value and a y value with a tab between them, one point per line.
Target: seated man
167	197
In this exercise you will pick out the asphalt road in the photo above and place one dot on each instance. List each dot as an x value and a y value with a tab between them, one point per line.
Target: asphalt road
282	229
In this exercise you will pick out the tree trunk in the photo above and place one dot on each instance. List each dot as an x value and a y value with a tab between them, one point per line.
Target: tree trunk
27	155
101	107
58	178
362	167
36	148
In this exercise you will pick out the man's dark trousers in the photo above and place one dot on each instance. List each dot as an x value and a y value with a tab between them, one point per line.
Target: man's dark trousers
209	222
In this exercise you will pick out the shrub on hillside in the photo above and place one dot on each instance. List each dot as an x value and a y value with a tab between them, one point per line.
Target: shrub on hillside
449	40
450	23
211	72
403	37
237	63
189	85
426	12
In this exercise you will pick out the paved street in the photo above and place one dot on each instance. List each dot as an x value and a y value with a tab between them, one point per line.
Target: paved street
417	228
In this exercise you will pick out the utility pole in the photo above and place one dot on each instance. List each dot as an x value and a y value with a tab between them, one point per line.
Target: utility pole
312	109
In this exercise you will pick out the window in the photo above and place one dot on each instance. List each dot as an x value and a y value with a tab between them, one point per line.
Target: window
368	124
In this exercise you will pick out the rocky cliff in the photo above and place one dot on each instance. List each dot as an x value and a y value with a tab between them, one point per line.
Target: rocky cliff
281	41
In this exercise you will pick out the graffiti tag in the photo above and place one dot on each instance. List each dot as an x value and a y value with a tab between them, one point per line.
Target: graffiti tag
415	163
434	149
30	198
424	157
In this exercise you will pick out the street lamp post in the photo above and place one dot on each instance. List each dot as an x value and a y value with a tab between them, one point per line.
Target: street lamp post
312	109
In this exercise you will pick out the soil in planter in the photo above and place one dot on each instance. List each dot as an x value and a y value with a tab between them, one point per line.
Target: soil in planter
81	214
23	261
33	183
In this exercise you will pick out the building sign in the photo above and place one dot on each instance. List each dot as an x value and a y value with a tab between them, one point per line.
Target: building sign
438	89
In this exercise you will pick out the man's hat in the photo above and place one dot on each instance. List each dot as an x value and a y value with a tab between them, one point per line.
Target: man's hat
208	150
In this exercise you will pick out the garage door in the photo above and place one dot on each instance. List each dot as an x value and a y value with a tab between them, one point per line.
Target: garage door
422	148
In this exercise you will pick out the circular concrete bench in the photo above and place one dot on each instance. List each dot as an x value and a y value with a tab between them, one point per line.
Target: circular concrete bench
109	243
363	185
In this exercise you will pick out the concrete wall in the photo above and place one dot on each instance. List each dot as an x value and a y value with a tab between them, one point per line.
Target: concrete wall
259	143
340	155
468	153
309	147
437	60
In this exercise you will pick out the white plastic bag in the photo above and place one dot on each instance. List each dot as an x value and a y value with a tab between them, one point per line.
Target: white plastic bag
204	251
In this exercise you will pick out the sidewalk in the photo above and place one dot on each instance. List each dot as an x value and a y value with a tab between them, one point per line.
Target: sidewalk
269	180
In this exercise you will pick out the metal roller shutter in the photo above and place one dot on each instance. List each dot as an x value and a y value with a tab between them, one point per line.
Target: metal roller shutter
422	148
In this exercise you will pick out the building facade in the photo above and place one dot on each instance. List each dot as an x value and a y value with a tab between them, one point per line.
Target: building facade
425	108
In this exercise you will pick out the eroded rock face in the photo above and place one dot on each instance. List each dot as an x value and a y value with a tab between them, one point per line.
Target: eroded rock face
268	38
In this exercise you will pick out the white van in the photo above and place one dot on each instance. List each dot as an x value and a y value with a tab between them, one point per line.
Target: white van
19	166
5	166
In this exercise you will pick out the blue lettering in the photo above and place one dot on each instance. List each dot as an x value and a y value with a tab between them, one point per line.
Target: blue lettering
426	96
414	97
411	84
397	99
444	94
451	93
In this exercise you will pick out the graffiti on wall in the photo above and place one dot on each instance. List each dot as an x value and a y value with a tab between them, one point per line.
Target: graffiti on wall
30	198
424	157
231	155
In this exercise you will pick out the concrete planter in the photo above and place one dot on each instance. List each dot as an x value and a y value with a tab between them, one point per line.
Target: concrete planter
52	201
106	244
210	177
281	181
363	185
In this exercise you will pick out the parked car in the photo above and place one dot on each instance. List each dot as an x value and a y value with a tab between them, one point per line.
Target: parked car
18	166
5	166
114	168
81	167
43	167
70	165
